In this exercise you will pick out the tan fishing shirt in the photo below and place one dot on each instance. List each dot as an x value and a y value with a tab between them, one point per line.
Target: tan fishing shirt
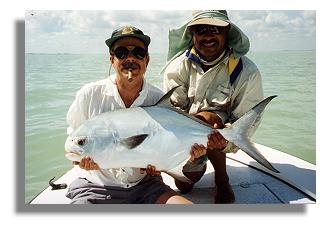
212	90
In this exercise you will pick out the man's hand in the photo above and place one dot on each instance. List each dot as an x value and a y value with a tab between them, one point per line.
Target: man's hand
151	170
87	163
215	139
211	118
197	151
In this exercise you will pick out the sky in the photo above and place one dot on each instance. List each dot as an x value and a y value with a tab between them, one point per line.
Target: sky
85	31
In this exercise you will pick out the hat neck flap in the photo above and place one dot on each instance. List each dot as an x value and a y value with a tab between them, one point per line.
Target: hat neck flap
181	39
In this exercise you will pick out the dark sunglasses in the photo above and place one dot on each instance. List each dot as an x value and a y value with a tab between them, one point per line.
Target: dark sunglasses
122	52
203	29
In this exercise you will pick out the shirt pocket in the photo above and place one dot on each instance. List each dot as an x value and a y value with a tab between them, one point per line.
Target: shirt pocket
218	97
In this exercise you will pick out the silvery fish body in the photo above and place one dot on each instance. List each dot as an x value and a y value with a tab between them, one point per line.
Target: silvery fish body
166	138
159	135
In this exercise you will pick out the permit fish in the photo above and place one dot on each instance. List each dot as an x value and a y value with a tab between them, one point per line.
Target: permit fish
159	135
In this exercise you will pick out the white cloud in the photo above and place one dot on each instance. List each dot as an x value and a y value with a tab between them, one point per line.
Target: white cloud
277	30
276	19
309	14
85	31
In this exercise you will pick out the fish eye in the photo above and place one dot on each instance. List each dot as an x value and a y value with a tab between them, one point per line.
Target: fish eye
81	141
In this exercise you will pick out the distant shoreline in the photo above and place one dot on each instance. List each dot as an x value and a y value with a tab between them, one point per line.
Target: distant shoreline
260	51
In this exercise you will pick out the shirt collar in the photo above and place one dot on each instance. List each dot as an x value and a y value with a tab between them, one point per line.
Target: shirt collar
110	85
112	90
194	56
196	64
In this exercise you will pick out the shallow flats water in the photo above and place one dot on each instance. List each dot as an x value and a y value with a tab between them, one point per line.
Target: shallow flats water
52	80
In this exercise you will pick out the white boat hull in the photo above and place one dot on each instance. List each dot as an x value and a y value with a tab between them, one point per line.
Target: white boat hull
251	182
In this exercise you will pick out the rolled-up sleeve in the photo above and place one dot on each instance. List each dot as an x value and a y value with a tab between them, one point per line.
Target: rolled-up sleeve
77	112
176	75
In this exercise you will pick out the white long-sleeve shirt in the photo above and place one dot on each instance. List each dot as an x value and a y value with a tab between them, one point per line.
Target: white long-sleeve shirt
94	99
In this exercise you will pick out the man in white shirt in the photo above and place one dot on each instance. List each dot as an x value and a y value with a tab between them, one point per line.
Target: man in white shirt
127	88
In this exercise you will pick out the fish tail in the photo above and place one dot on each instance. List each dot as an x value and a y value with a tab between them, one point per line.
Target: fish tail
238	133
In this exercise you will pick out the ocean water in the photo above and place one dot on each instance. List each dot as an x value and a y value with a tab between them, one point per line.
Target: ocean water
52	80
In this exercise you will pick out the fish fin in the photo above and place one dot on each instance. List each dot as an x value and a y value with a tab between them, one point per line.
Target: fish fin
133	141
177	173
238	133
245	122
178	176
249	148
189	116
165	100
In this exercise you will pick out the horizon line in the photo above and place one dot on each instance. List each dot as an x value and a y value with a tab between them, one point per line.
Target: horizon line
250	51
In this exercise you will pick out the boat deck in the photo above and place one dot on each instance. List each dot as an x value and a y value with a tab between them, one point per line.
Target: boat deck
250	186
251	183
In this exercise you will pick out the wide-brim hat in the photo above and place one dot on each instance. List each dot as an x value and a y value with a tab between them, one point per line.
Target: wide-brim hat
128	31
204	18
181	39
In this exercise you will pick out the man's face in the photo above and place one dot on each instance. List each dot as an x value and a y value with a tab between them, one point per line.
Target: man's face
129	54
209	41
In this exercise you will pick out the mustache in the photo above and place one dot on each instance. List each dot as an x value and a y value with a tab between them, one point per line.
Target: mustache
208	41
130	65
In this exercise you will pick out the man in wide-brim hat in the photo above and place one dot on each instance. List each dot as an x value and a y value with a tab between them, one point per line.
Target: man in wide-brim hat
217	84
